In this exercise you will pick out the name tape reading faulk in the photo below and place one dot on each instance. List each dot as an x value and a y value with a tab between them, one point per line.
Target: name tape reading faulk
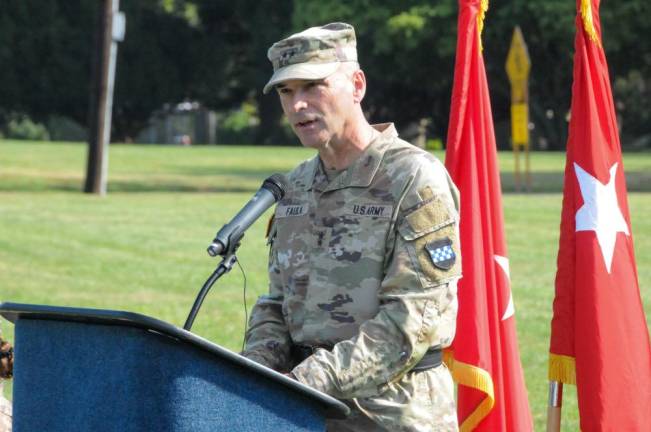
291	210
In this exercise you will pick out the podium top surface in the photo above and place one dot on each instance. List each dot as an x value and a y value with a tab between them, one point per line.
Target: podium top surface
332	407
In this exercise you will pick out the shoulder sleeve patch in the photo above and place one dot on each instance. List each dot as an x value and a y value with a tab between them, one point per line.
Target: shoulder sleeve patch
441	253
432	241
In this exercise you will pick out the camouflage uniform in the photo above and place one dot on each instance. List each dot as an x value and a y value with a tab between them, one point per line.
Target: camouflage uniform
352	265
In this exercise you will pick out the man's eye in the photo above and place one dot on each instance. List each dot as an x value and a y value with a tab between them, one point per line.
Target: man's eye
283	90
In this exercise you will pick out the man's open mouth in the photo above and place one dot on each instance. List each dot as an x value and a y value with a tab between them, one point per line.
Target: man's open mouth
305	123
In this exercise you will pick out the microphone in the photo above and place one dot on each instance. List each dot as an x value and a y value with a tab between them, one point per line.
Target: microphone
271	191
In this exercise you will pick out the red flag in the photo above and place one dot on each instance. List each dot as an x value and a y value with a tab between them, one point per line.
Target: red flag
484	357
597	292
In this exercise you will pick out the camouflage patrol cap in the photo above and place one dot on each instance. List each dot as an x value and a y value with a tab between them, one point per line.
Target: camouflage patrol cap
314	53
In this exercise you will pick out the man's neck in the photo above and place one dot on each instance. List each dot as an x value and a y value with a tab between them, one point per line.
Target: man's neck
340	154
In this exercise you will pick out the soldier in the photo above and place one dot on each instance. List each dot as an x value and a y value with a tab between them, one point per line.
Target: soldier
364	251
6	372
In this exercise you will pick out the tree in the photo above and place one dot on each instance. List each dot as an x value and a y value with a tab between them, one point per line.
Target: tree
45	57
156	65
625	26
46	52
406	49
548	29
237	35
214	52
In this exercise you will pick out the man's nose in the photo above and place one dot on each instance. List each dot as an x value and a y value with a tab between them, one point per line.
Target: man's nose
299	103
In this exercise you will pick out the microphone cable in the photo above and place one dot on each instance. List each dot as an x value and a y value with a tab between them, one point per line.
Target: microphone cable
246	311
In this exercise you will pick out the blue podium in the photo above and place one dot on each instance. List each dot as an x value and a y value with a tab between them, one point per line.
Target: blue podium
100	370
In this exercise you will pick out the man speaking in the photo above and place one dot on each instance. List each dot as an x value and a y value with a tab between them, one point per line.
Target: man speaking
364	251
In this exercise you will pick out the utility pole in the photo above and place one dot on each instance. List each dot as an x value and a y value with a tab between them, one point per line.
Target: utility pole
110	31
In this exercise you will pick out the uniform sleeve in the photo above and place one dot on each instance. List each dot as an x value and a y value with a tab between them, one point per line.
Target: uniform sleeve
267	337
418	301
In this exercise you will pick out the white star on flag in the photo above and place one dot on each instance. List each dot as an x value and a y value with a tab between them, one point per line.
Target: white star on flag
600	211
504	265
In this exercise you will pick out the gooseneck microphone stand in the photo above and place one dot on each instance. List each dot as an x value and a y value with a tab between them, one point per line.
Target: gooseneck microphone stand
228	261
229	236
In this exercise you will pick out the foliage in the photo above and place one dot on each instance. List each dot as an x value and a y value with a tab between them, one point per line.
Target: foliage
406	49
239	125
214	52
548	30
61	128
44	53
634	106
155	65
626	26
241	119
239	34
50	49
434	144
23	128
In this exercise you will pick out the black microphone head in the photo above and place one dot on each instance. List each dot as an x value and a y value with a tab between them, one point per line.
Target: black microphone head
276	185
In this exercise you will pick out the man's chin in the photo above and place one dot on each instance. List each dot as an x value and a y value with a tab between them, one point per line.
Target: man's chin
312	142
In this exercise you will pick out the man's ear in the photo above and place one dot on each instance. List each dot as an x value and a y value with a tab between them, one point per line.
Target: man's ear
359	85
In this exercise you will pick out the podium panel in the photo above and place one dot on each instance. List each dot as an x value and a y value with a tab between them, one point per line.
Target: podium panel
88	374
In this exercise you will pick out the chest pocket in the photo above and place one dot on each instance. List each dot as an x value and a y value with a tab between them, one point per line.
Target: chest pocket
292	236
359	233
432	238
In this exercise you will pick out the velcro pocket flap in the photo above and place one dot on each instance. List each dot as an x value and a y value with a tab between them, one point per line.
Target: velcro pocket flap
426	219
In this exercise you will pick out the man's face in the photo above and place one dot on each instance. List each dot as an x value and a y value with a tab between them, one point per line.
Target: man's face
318	110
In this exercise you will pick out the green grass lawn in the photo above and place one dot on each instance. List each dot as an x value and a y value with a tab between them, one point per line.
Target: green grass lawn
142	247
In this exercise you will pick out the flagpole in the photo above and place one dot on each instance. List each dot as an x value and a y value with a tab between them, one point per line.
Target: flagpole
555	405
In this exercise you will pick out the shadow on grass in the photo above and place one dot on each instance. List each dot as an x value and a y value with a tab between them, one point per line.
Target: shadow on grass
552	182
133	186
235	181
206	171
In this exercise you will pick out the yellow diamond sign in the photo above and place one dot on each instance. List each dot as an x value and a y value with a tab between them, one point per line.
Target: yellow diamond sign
517	61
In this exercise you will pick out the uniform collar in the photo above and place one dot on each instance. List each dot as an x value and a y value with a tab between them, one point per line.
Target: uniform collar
361	172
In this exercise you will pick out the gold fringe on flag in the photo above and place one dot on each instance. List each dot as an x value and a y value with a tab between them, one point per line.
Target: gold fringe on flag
483	7
562	369
588	23
474	377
